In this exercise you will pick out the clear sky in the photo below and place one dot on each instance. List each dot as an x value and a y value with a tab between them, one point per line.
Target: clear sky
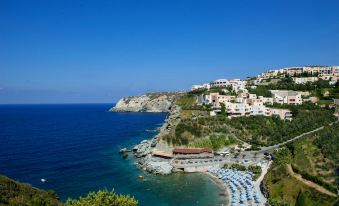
69	51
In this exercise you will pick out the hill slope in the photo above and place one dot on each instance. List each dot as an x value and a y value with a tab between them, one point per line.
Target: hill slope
14	193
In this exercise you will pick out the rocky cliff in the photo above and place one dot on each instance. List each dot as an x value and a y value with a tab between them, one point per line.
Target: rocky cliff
151	102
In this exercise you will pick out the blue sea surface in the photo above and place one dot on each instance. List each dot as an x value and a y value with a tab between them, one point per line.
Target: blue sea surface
75	148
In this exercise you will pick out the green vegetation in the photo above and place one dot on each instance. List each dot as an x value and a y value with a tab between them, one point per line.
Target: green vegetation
235	166
260	91
103	198
257	130
214	142
315	158
328	143
13	193
262	130
256	170
287	83
188	102
326	95
285	190
315	179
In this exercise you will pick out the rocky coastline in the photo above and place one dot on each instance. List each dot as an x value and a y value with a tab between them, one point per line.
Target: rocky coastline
143	150
148	162
150	102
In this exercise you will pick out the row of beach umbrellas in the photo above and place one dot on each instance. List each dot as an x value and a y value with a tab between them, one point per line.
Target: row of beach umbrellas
239	183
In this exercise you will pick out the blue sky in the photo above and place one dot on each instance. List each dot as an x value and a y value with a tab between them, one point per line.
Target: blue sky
98	51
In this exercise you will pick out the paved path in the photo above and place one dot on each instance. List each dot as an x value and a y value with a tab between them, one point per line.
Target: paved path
260	179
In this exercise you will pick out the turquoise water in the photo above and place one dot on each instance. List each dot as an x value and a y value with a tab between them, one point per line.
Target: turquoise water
75	148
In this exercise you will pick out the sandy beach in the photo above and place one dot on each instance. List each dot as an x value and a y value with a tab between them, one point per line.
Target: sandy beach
224	192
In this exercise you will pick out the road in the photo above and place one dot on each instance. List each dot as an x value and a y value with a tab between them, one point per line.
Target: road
264	149
252	157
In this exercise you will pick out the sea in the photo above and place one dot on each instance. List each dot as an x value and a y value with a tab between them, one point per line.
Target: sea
74	147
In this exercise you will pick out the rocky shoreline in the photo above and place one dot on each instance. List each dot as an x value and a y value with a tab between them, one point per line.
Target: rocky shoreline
149	163
143	150
150	102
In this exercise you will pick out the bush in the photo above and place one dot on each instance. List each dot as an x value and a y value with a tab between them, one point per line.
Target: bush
235	166
103	198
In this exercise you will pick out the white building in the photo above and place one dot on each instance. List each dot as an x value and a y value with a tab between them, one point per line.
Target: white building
286	97
281	113
201	86
220	83
304	80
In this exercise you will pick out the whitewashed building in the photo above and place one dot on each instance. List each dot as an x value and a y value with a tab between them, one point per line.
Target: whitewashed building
286	97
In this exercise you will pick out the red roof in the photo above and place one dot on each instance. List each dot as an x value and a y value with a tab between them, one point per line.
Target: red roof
191	150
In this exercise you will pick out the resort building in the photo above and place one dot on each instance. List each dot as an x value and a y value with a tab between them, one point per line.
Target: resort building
220	83
320	70
238	109
293	71
304	80
202	86
192	153
281	113
241	106
236	84
315	71
286	97
215	99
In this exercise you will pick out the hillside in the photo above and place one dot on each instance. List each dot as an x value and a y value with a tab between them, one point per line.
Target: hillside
305	172
193	126
14	193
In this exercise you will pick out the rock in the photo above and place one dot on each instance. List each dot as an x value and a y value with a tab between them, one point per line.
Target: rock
157	165
135	148
142	149
151	102
124	150
154	143
149	163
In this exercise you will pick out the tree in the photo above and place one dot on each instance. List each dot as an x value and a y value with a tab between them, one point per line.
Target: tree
103	198
223	109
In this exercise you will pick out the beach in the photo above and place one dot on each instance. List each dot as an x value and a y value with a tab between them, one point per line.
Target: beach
224	193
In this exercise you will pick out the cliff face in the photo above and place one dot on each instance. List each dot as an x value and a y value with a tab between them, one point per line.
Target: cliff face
151	102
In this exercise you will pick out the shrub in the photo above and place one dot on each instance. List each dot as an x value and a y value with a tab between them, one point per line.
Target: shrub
103	198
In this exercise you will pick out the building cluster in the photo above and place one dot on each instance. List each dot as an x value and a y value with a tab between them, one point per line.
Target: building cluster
246	104
302	75
237	101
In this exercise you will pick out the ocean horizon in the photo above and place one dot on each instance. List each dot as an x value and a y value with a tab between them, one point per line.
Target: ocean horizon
75	148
